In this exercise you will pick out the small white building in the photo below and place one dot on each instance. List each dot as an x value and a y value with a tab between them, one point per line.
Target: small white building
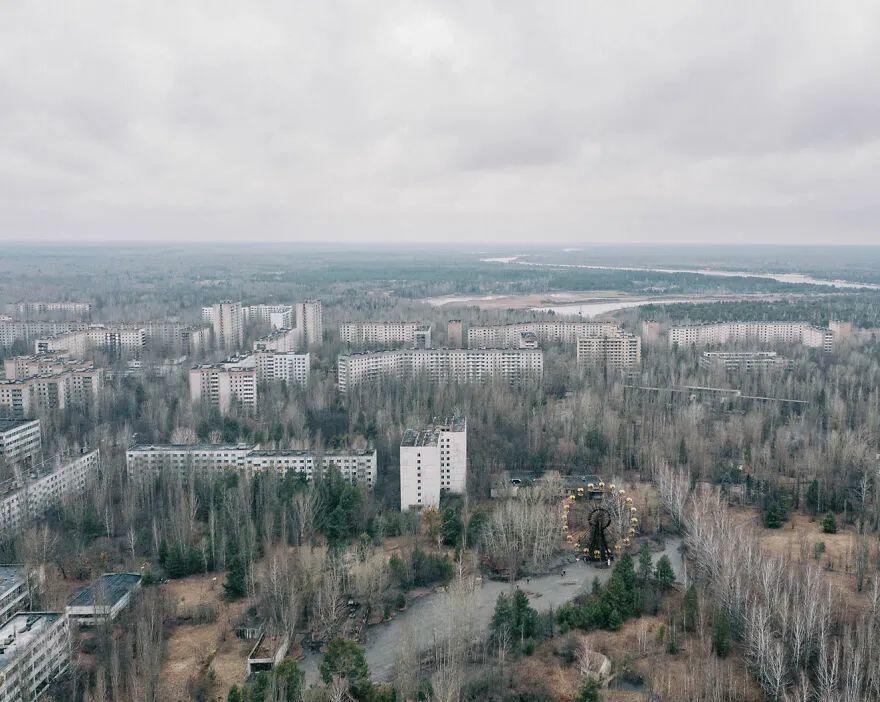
104	599
34	650
433	460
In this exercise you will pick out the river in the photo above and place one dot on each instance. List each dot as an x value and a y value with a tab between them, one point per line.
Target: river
422	616
797	278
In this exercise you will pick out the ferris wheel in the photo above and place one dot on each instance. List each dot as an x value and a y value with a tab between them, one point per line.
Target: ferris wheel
600	522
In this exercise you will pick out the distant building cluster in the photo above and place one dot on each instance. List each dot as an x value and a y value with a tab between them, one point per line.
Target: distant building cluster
12	330
383	335
46	382
26	309
744	361
514	366
228	320
761	332
433	461
357	467
235	379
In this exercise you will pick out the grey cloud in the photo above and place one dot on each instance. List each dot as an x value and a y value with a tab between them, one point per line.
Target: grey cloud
576	121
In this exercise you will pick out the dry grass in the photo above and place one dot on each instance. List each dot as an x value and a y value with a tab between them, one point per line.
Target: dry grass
192	646
797	539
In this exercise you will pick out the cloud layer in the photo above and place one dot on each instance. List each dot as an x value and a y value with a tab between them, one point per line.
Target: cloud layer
444	121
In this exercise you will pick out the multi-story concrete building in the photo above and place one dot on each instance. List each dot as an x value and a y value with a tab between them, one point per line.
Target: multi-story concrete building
651	331
551	331
34	650
515	366
276	316
227	320
744	361
14	330
355	466
21	444
762	332
615	351
277	366
177	337
284	340
75	384
454	334
104	599
116	340
384	335
433	460
310	322
26	309
222	384
15	590
42	488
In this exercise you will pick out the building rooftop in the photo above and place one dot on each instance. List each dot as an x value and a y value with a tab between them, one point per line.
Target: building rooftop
430	434
191	447
20	632
306	452
107	590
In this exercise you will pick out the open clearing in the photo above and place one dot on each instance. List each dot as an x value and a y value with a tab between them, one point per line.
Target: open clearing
191	646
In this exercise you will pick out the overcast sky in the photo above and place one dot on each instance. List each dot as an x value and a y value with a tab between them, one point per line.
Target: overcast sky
447	121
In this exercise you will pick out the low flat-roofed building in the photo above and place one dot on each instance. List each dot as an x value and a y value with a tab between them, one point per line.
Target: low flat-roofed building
14	590
104	599
20	442
34	650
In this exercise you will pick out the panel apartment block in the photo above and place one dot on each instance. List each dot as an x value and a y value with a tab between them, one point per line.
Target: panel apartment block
433	460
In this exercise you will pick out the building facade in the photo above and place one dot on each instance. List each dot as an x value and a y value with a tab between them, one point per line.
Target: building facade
34	650
26	309
21	444
44	487
276	316
620	351
382	335
433	460
508	335
310	322
222	384
357	467
116	340
514	366
761	332
74	384
454	334
278	366
282	340
743	361
15	590
15	330
227	320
